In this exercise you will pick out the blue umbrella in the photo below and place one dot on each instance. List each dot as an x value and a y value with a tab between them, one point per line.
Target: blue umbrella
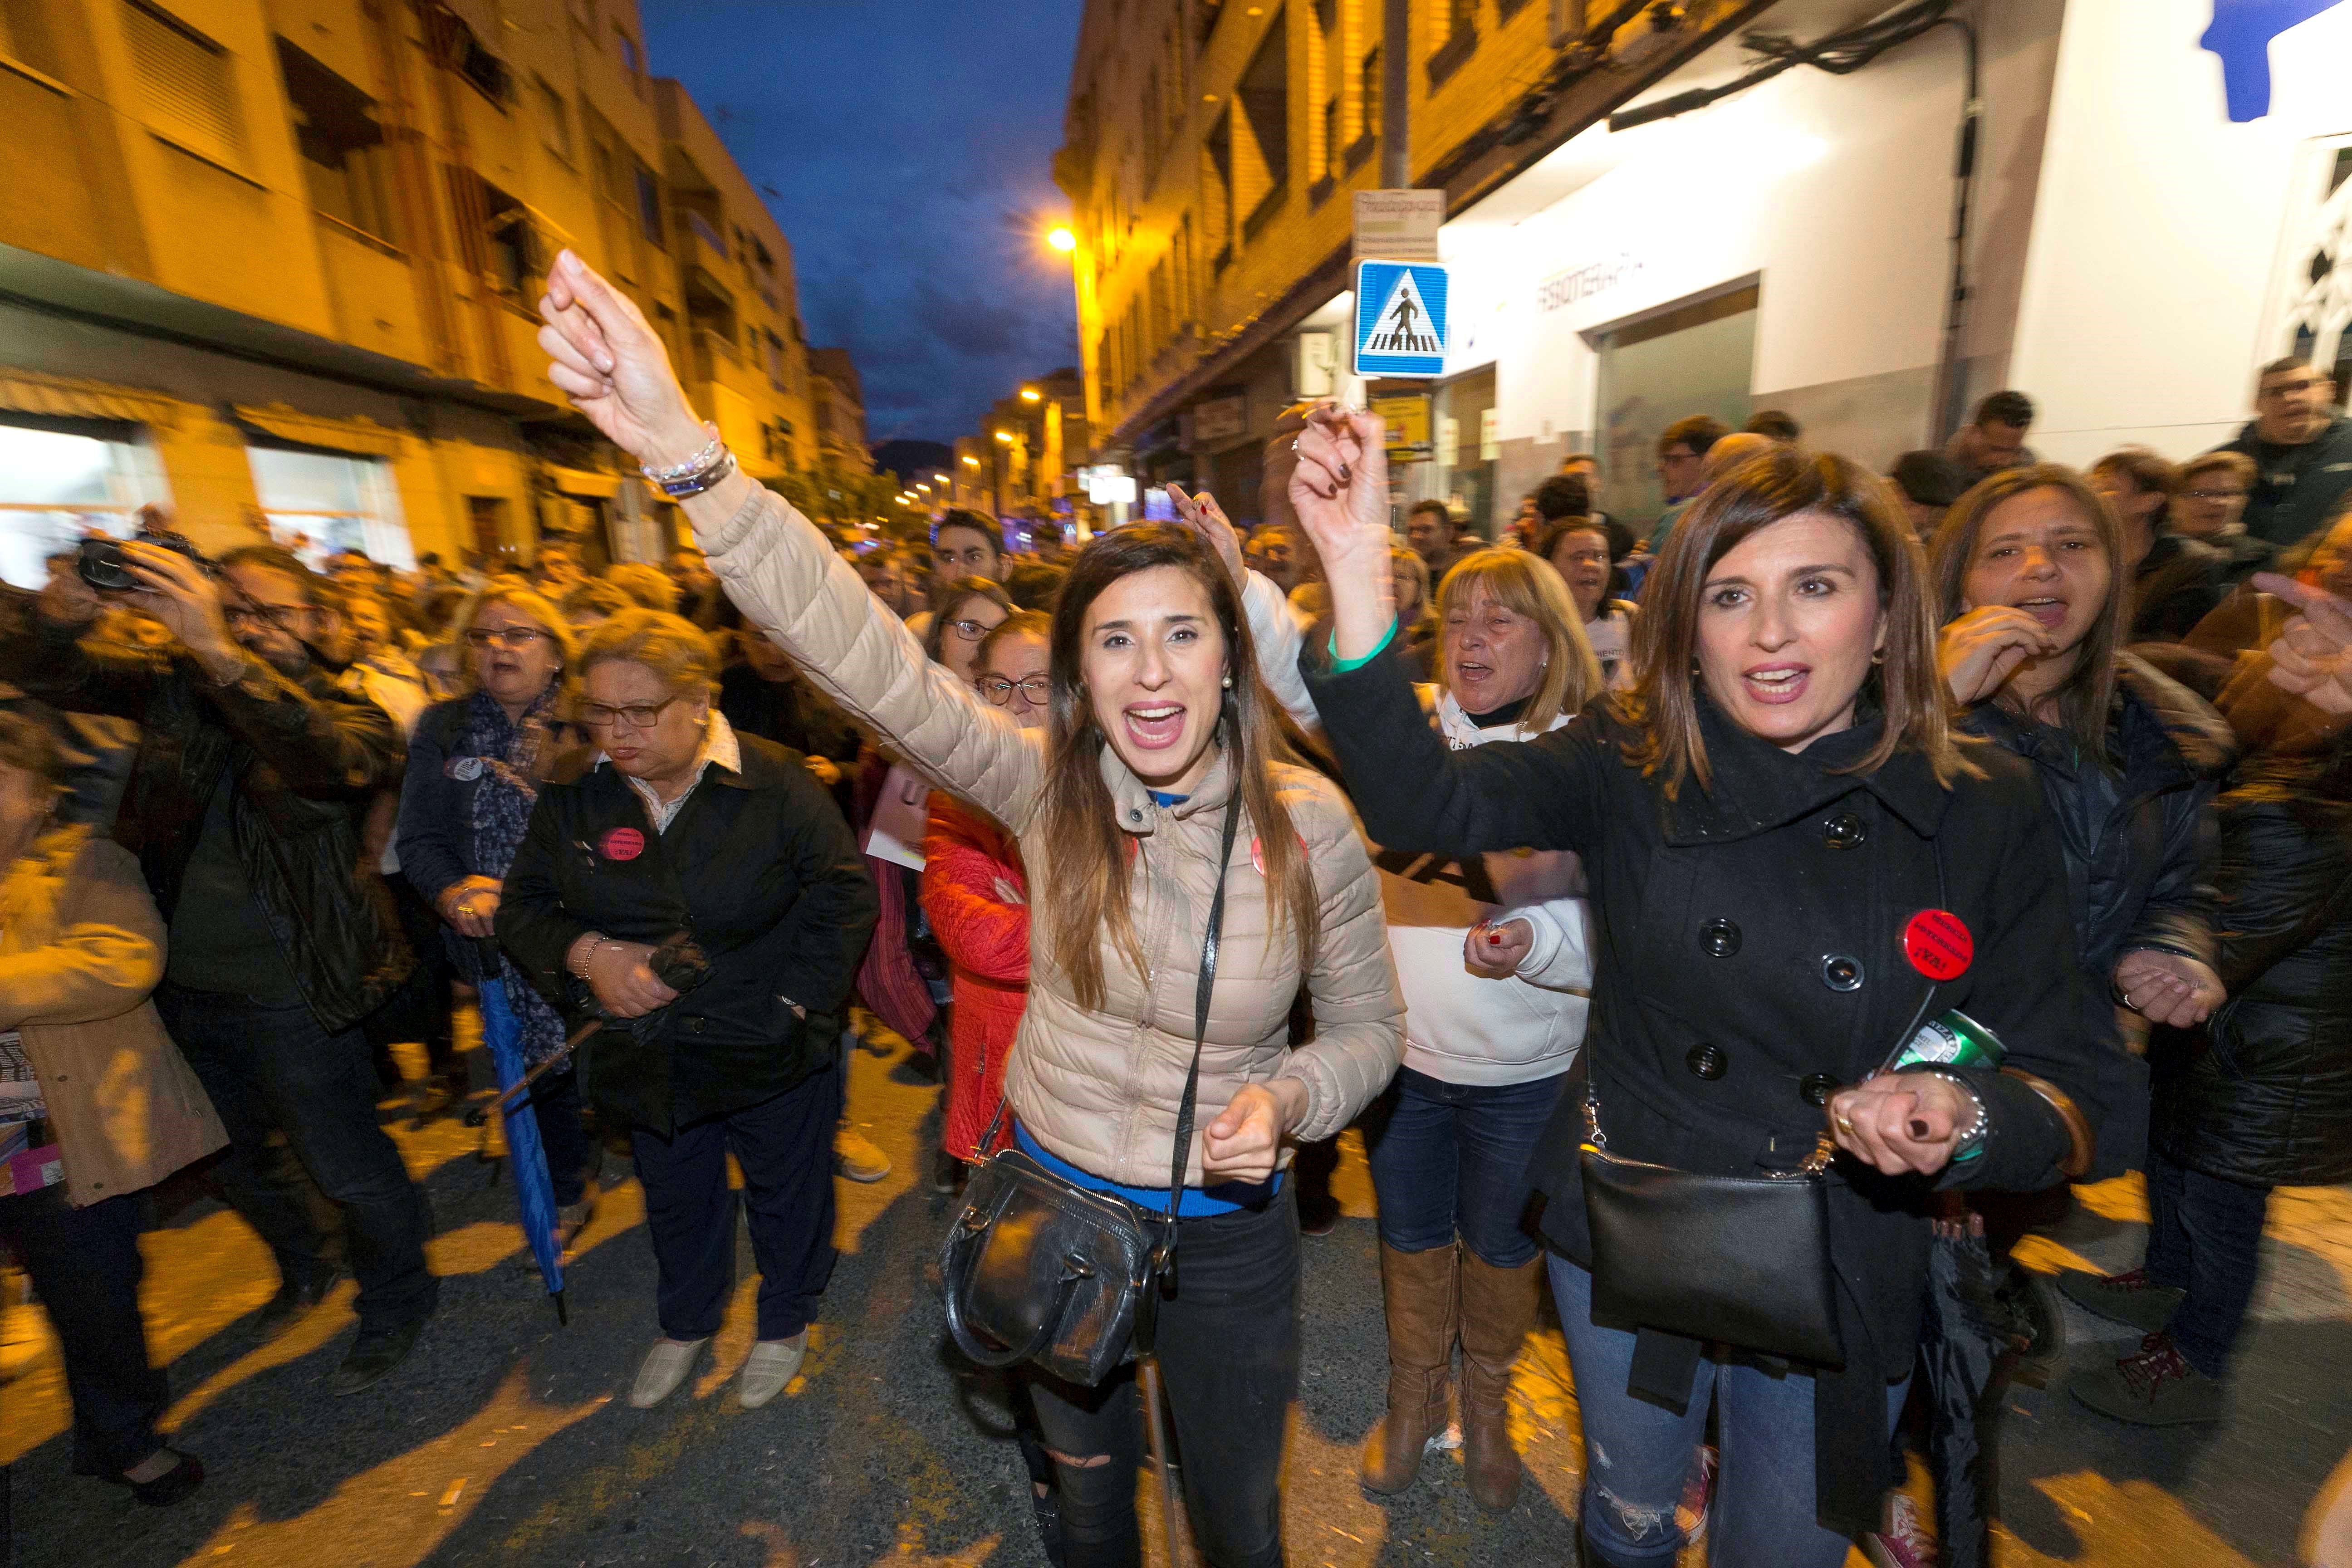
534	1187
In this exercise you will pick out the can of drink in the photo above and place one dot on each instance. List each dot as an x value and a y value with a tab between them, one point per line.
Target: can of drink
1950	1038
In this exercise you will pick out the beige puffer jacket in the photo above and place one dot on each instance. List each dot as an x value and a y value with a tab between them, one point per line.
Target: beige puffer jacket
1100	1089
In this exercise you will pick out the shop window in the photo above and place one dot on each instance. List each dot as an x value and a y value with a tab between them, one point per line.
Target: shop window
62	480
345	159
187	83
1695	358
319	502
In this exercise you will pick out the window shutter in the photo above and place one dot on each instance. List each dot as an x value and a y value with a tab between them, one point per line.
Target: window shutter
186	81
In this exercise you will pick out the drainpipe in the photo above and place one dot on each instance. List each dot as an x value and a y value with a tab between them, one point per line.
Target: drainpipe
1396	94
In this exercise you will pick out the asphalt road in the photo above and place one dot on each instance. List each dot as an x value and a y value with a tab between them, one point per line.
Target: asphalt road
506	1439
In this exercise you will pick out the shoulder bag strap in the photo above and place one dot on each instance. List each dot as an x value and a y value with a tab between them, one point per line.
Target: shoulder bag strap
1179	1157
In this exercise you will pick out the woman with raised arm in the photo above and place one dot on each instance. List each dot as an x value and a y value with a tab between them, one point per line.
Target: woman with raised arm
1794	868
1159	728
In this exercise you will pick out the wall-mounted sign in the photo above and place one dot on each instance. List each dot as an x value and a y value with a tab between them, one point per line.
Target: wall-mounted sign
1317	358
1564	288
1406	414
1398	225
1218	419
1400	318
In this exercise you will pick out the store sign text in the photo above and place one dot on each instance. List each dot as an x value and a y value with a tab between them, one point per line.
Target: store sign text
1562	289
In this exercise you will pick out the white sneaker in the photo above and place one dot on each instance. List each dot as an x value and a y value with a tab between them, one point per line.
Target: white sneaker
774	1364
664	1367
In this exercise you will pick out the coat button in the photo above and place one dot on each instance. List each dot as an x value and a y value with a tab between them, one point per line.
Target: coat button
1844	831
1720	937
1817	1088
1842	971
1708	1062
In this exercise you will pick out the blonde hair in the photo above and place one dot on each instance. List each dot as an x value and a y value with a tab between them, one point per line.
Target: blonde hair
533	605
1522	585
648	585
680	655
1425	622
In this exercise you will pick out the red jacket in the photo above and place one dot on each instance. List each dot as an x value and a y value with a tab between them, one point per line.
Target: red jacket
970	864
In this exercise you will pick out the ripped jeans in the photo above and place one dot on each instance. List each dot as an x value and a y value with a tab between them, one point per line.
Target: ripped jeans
1638	1455
1229	1359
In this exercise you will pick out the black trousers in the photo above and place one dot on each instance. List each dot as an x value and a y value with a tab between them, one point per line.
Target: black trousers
423	1009
785	1145
1229	1362
271	1068
85	1264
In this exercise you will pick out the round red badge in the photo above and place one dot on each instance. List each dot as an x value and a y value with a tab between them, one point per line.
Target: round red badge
621	844
1938	943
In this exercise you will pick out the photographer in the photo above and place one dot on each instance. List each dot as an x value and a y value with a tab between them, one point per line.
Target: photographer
244	809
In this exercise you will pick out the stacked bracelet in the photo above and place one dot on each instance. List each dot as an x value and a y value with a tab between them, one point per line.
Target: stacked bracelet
700	460
701	480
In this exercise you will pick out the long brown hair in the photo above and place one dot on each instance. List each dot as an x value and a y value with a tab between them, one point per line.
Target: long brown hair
2082	698
1524	585
1086	889
1905	684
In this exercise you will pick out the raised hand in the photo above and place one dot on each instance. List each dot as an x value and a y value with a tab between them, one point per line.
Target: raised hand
1981	649
2313	656
1204	517
1340	492
611	363
187	600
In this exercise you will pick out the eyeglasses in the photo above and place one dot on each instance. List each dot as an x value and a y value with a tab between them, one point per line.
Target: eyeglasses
970	629
1035	690
627	716
516	638
2215	495
285	617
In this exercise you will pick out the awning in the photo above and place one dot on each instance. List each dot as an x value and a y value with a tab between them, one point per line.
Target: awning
361	437
61	397
582	482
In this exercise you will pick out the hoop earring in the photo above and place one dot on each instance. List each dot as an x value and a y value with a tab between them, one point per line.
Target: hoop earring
1879	656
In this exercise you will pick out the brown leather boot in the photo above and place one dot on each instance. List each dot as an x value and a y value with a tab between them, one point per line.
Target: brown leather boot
1499	1310
1419	1290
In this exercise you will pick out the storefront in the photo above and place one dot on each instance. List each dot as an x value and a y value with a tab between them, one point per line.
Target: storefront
62	479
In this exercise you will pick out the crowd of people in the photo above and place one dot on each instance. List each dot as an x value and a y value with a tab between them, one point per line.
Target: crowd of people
1719	925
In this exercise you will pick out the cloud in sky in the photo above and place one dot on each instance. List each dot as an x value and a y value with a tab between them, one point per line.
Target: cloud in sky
909	147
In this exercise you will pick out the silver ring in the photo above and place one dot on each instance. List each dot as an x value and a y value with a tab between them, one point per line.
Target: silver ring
1294	445
2129	1003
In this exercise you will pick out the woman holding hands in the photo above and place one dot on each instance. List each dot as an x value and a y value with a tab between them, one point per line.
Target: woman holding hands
1159	730
1792	864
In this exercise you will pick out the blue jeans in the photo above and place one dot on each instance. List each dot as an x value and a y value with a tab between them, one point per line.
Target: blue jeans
1638	1455
2204	1237
1453	1157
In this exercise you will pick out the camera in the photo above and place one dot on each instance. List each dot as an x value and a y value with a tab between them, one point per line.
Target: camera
102	564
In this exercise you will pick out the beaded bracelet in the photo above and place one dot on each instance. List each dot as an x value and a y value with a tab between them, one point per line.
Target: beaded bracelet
694	484
696	464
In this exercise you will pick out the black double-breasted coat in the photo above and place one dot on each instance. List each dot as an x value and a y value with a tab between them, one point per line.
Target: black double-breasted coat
758	867
1749	960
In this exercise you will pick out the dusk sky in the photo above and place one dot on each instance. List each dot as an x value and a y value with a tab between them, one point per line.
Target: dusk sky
907	148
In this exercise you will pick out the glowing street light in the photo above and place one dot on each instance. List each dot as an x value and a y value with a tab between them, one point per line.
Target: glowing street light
1063	239
1031	395
1005	436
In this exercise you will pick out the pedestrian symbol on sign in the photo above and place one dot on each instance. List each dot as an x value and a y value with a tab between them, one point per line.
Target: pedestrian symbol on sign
1399	319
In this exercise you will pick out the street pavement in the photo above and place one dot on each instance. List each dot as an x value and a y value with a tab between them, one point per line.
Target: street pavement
506	1439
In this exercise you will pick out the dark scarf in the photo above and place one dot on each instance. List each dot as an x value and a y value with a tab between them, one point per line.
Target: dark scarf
506	762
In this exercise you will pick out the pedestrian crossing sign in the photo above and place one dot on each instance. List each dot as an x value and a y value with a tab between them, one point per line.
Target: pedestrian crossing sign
1400	318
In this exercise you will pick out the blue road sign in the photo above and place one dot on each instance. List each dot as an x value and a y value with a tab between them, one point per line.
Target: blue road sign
1400	318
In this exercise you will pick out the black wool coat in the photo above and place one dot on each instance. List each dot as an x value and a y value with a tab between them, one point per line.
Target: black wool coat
758	867
1748	960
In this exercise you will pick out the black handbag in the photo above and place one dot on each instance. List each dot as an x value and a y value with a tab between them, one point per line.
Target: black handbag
1742	1261
1037	1268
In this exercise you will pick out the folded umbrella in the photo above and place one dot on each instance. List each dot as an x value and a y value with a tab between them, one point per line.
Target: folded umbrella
534	1188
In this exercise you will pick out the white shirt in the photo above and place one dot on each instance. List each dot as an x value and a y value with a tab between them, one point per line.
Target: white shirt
719	745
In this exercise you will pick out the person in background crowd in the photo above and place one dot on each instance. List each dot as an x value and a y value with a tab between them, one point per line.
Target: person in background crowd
555	567
1683	448
1431	530
96	1107
1526	524
1731	451
592	602
1034	584
647	586
1416	607
244	811
1995	438
976	893
886	575
359	640
2250	620
1275	553
1622	541
966	544
1577	548
1927	483
1774	425
2301	451
475	765
1161	727
2210	508
1045	541
2264	1098
2174	581
971	608
697	829
1787	696
698	585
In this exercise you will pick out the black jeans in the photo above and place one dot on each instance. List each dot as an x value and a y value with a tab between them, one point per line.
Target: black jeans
2205	1238
785	1145
85	1264
1229	1364
270	1066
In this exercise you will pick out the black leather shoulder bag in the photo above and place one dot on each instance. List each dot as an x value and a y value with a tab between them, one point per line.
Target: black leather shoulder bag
1037	1268
1735	1260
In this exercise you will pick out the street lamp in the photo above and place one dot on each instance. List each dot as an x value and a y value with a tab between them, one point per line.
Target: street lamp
971	462
1005	436
1031	395
1063	239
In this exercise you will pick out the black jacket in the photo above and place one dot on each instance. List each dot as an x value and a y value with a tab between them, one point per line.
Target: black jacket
1724	921
2297	489
759	866
304	758
2263	1095
2176	584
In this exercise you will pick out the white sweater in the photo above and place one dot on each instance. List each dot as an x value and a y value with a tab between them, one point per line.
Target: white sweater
1461	1026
